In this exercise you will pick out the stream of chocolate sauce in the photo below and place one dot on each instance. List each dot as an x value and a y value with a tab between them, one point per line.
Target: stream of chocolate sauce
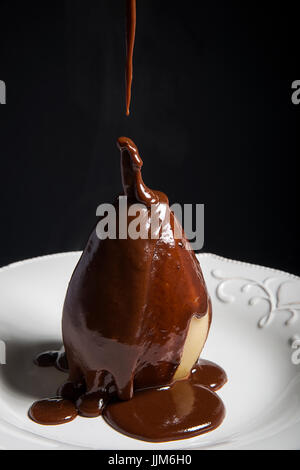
130	38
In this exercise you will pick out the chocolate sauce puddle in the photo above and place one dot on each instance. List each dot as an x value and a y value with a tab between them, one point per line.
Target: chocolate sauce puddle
130	39
181	410
53	411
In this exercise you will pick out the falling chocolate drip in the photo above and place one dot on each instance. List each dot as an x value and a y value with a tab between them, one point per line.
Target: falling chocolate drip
130	38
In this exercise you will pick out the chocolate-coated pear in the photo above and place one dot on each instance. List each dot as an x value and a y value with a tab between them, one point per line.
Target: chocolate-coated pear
137	312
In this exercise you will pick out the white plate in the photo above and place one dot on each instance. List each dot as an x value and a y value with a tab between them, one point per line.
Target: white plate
255	324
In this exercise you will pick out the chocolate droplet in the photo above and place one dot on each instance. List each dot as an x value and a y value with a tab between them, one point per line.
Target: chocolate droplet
53	411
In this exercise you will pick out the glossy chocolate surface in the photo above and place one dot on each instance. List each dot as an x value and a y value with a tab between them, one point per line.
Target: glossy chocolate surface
179	411
130	302
53	411
208	374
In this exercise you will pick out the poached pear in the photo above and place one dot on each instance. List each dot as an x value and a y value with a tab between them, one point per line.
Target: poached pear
137	312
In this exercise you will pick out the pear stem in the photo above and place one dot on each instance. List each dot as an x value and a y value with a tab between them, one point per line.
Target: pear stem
131	164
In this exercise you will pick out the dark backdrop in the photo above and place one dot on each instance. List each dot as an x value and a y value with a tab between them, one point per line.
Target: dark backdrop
211	114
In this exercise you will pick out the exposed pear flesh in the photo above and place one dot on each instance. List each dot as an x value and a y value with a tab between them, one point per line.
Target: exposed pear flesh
194	343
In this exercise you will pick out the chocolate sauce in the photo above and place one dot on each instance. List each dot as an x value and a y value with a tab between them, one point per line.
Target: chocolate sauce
71	391
130	38
126	318
53	411
209	375
130	302
46	359
133	185
91	405
179	411
52	358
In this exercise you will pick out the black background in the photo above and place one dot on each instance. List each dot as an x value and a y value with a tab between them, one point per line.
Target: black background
211	113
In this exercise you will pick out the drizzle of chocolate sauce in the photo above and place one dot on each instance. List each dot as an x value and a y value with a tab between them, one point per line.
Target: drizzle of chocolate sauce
130	39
